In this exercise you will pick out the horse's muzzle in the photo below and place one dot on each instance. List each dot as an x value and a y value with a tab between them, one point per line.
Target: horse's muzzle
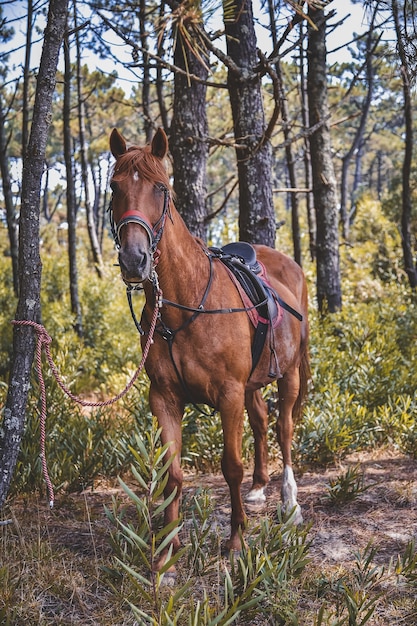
135	267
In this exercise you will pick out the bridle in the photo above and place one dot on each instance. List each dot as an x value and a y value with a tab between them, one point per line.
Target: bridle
154	233
134	216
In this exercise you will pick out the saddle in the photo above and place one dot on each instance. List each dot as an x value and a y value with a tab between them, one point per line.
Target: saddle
241	261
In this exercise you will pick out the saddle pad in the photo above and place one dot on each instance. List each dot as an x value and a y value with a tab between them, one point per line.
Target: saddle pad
253	313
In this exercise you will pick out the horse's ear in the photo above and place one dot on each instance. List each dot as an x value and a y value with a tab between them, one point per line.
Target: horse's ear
159	144
117	143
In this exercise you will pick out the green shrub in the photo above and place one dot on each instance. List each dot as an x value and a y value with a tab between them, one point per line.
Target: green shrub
363	372
81	445
347	486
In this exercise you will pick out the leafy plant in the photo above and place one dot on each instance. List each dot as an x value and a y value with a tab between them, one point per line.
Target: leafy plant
406	565
347	486
149	469
356	594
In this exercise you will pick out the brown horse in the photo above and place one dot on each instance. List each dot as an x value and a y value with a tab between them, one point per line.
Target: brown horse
201	354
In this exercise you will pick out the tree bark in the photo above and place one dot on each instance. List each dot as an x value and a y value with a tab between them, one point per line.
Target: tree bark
89	209
26	79
29	258
70	193
160	81
189	131
329	294
146	78
311	216
293	197
409	265
286	127
257	222
12	225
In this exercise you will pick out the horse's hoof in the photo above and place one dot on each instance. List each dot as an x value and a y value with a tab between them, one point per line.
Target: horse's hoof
298	517
168	579
256	496
227	552
233	545
293	515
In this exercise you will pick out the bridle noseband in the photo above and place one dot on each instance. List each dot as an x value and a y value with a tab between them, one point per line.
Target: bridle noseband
134	216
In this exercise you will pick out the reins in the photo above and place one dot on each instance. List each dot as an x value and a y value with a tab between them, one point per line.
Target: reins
43	343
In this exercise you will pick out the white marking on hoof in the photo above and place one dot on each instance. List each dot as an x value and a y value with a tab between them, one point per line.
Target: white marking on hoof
290	505
256	496
293	516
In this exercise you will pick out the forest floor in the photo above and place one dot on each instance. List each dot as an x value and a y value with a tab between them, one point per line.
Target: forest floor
50	561
385	513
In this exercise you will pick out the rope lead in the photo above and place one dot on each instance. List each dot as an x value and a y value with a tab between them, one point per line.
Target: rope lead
43	342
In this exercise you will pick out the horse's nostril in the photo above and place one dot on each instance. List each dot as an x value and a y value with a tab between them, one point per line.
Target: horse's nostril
134	266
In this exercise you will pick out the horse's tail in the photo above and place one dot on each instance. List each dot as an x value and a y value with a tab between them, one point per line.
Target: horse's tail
305	375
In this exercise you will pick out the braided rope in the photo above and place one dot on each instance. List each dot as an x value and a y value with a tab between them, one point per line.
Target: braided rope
43	343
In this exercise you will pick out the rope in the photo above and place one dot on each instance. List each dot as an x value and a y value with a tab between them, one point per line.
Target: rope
43	342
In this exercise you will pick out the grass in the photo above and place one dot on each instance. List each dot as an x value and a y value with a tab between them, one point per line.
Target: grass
347	486
51	567
78	565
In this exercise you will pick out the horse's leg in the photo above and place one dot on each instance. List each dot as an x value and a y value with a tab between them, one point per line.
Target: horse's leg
231	412
288	387
169	419
258	419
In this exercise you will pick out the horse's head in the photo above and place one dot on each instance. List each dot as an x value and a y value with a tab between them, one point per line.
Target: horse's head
140	203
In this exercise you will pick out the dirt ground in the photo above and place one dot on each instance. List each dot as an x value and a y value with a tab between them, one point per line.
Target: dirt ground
385	514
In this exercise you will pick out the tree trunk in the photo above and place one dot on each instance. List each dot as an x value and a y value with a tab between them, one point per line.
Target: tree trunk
47	214
254	156
409	265
26	79
357	177
12	225
91	224
286	126
189	131
71	198
359	134
146	79
329	295
311	217
29	258
160	79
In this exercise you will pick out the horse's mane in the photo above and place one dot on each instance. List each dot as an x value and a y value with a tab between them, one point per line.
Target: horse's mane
142	161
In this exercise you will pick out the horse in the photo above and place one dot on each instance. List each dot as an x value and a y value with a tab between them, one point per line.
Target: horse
202	348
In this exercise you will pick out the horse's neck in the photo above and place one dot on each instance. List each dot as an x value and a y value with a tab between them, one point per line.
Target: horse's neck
183	267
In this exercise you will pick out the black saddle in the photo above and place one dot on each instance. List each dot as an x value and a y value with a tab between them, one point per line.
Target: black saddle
243	251
240	258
